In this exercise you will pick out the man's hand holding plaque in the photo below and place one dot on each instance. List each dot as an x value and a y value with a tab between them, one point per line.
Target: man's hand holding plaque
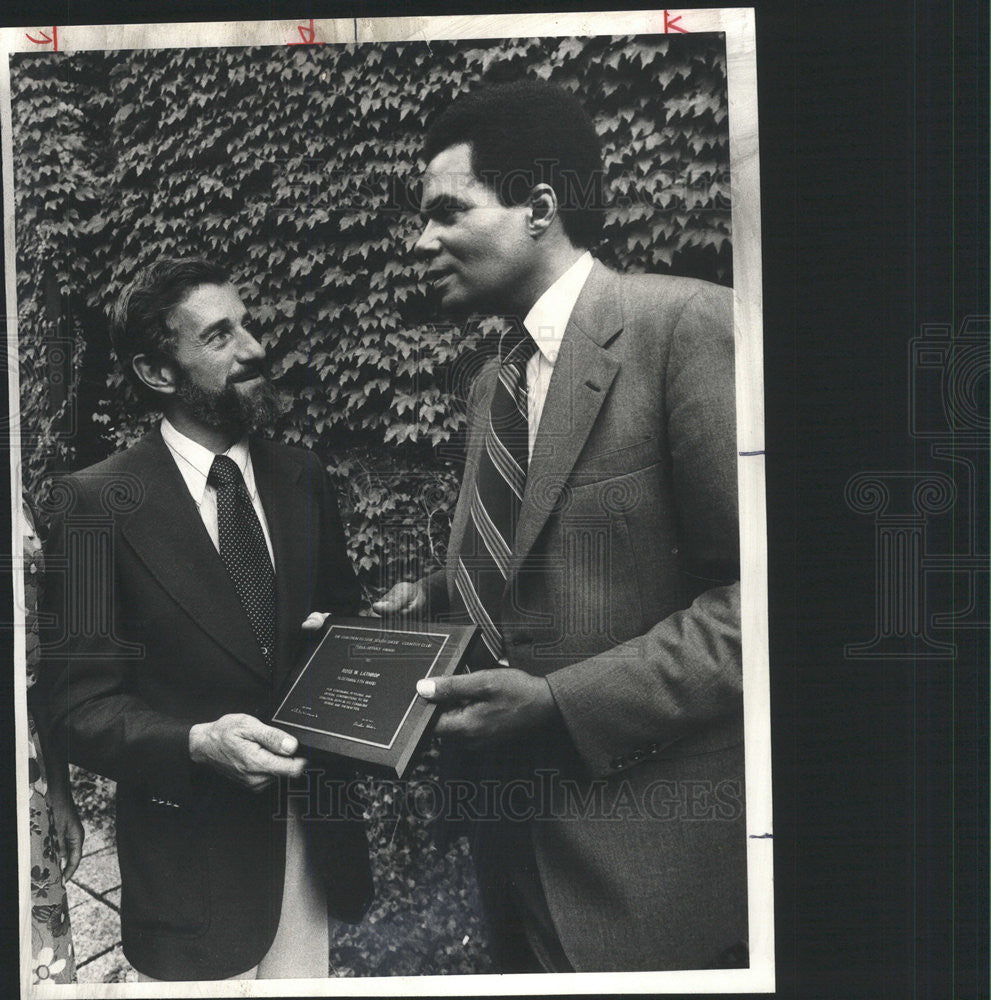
489	705
242	748
406	598
355	697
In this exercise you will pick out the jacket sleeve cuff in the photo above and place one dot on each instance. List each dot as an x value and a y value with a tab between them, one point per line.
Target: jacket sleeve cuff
577	693
167	771
680	681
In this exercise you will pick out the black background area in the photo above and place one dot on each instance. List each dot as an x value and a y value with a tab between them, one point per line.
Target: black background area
873	147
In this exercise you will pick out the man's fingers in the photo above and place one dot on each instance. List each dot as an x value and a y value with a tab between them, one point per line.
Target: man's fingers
404	597
297	766
256	782
392	601
427	688
73	855
268	765
451	723
272	739
315	619
475	686
246	750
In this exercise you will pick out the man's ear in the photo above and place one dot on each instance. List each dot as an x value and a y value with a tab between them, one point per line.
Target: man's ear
155	371
542	210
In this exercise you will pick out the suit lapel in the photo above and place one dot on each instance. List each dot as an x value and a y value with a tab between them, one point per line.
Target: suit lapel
168	535
582	376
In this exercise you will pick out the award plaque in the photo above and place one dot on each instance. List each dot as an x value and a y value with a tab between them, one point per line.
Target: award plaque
355	697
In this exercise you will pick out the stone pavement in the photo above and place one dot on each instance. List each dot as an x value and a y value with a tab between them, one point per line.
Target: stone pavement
94	911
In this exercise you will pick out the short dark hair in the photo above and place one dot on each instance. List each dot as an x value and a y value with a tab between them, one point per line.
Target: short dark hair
139	320
526	133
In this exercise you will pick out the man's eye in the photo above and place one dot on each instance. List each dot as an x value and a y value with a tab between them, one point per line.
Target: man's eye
445	216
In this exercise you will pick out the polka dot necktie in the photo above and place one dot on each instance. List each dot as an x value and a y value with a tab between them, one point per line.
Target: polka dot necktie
244	552
490	532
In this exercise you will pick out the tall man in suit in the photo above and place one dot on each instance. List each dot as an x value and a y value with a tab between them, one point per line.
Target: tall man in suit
189	561
595	542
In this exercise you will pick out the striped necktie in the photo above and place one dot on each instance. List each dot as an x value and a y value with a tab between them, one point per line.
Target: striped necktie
244	552
483	565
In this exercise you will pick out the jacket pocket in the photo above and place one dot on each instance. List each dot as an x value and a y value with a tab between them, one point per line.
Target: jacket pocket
163	867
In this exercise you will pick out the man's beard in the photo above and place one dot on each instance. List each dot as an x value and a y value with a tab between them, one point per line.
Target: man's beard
238	407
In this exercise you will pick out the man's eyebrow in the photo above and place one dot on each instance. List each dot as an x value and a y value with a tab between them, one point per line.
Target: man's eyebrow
220	324
442	202
223	324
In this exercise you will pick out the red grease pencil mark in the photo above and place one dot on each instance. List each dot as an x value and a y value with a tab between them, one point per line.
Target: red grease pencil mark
671	24
46	39
308	34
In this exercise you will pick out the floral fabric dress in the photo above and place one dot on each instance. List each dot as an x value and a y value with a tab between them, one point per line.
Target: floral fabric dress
52	957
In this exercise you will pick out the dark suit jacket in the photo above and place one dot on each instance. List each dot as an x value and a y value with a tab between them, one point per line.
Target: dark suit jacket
623	592
146	638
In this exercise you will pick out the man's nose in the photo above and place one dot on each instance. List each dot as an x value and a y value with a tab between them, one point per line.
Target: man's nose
427	245
249	348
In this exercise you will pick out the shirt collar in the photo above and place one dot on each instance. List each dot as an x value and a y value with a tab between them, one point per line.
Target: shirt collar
548	319
194	461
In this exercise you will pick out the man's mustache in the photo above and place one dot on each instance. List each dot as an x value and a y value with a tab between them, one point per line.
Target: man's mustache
248	374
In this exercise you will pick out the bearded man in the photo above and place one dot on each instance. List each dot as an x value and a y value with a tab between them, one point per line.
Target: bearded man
183	567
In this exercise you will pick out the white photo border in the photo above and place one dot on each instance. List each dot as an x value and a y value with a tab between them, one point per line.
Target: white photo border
737	24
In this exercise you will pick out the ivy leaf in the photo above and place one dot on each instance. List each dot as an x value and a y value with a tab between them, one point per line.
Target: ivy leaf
125	156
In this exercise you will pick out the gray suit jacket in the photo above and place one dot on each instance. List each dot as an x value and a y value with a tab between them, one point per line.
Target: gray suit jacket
624	593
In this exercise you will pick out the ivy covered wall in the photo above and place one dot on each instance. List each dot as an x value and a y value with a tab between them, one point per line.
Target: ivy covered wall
297	168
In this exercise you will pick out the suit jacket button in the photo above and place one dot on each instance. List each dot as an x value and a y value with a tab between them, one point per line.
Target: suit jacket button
636	755
654	748
617	762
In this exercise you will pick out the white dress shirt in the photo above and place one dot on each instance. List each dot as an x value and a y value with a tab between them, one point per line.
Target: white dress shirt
194	462
546	323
